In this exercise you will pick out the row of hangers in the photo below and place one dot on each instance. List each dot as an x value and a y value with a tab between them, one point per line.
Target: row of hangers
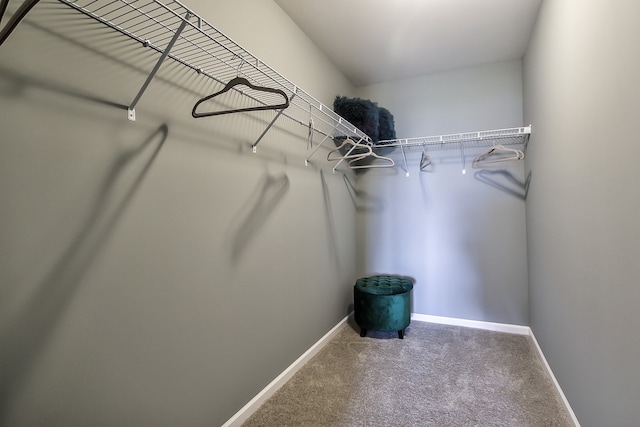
355	154
497	154
357	151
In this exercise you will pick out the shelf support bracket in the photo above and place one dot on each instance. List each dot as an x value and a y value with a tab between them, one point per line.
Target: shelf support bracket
131	112
255	144
306	161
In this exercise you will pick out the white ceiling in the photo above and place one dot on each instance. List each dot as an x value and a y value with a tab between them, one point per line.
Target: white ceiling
373	41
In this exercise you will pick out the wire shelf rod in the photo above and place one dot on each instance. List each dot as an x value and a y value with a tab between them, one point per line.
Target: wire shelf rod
522	133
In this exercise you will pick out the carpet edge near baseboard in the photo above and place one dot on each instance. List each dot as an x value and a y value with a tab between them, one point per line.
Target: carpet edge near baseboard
554	380
507	328
247	410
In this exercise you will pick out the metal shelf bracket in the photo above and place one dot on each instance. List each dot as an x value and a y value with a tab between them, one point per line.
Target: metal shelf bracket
131	111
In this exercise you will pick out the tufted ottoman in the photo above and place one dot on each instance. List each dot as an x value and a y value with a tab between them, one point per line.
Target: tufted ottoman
382	303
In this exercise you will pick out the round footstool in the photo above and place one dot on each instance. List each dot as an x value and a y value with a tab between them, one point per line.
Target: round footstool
382	303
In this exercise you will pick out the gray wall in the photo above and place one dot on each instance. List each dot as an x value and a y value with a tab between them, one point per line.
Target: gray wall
461	237
581	94
158	273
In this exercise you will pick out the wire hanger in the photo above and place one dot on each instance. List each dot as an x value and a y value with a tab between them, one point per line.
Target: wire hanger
497	154
15	19
236	82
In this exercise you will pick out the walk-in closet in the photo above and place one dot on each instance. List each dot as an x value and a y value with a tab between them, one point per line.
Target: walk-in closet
185	206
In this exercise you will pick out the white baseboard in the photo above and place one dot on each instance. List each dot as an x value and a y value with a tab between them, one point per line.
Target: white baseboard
555	381
247	410
478	324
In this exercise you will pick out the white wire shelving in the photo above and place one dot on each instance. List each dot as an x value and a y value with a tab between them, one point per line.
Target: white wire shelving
177	33
486	138
518	137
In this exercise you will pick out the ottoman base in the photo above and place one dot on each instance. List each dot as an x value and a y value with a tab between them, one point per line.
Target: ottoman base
363	333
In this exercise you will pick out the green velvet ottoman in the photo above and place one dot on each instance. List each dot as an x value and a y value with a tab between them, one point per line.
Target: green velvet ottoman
382	303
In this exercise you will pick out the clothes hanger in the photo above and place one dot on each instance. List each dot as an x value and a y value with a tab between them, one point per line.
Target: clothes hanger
235	82
310	134
498	150
15	19
349	154
390	163
425	160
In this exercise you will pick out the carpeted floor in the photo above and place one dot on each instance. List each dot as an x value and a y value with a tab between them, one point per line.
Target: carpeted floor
437	376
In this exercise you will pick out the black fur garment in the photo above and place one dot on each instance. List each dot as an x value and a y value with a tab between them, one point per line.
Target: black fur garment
386	130
361	113
377	122
386	125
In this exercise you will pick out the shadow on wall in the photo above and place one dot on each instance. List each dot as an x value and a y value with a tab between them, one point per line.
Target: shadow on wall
23	337
363	201
268	193
423	185
17	84
500	179
333	245
79	35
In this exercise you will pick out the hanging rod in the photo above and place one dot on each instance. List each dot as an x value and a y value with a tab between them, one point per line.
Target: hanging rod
176	32
485	138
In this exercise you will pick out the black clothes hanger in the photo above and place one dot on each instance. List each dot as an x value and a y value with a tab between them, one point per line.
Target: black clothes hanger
235	82
15	19
425	160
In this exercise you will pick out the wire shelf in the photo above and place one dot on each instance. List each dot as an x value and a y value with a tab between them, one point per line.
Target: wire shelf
487	138
176	32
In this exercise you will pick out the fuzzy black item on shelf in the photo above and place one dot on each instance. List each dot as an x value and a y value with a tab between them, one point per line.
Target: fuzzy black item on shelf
386	128
361	113
376	122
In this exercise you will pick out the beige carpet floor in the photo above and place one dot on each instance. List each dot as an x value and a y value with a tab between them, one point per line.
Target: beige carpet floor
437	376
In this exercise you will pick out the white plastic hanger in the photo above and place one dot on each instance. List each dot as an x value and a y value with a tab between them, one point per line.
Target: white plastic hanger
497	154
389	161
349	154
